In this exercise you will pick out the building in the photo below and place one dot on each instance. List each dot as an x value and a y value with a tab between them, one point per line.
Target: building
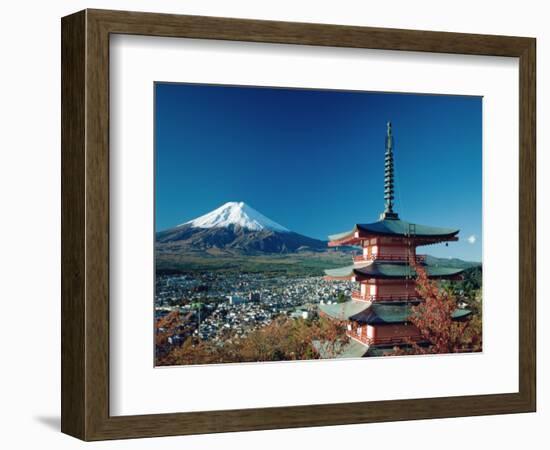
385	273
236	299
254	297
299	314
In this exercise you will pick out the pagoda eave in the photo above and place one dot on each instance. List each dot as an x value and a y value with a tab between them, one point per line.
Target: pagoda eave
333	278
388	271
345	242
419	241
377	314
348	238
358	237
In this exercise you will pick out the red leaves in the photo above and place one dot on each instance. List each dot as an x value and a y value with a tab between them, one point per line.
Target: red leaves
284	339
166	327
433	318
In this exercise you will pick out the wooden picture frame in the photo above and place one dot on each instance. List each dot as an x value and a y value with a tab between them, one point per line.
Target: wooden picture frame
85	224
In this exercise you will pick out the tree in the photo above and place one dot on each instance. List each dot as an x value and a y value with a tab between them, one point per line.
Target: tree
165	327
283	340
342	298
433	318
468	290
198	307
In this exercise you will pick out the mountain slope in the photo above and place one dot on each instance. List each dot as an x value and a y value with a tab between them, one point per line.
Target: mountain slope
239	214
237	227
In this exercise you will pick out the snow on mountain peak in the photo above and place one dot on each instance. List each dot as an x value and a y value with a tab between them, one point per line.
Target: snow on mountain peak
236	213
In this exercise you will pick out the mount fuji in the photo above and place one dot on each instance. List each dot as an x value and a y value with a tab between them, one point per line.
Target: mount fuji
237	214
236	227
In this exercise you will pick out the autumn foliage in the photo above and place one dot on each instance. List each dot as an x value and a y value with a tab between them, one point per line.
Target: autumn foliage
438	329
166	327
283	340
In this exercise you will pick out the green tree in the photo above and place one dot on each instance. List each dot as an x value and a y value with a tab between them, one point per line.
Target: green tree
342	298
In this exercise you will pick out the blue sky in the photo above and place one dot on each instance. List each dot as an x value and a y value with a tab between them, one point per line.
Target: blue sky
313	160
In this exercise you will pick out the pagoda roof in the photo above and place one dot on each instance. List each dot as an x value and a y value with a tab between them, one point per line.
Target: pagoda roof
377	313
383	270
350	349
343	311
354	349
396	227
383	314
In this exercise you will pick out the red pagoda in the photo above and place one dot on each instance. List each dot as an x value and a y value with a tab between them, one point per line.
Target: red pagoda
379	308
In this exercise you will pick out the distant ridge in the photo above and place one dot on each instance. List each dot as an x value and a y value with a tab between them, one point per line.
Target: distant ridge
451	262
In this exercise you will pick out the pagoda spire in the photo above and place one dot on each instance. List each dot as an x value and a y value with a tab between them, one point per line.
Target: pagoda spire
388	178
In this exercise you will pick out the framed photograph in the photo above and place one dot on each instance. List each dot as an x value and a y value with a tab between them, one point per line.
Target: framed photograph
273	225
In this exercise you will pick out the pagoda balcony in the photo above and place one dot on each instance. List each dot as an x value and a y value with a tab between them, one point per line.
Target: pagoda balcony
390	340
388	257
356	295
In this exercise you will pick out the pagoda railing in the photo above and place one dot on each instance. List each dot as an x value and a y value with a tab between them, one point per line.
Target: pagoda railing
356	295
388	257
385	340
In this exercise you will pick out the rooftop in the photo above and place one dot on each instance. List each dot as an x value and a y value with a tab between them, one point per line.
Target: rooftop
376	314
396	227
381	270
343	311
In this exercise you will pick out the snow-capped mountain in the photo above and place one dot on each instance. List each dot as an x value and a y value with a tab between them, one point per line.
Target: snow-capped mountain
238	214
237	227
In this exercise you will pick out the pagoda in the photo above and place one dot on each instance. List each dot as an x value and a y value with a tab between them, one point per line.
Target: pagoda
377	314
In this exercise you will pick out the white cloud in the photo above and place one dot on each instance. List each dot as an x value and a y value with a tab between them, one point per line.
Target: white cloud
472	239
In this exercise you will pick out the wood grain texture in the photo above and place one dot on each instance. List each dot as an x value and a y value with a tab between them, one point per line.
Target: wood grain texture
73	227
85	224
527	224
